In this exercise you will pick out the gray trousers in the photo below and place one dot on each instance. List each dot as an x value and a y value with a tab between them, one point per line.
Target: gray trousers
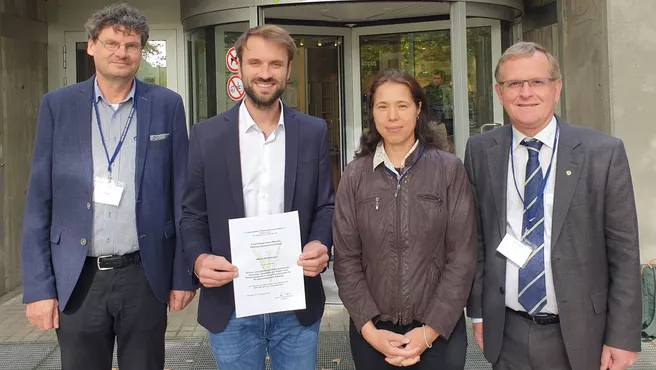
530	346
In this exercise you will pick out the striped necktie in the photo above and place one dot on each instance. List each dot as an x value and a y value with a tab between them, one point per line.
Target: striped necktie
532	281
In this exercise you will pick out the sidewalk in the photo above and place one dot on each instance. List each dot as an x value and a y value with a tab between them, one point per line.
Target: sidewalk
14	327
23	347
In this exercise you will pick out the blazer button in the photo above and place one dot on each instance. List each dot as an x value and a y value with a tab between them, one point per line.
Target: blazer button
502	291
83	241
88	205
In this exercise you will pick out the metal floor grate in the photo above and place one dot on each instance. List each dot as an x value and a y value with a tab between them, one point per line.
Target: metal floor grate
195	354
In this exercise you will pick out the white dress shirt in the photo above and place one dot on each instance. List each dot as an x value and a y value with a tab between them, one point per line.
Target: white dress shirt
515	211
262	166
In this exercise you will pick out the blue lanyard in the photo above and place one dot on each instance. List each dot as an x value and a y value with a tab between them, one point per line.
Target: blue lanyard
111	160
400	176
543	185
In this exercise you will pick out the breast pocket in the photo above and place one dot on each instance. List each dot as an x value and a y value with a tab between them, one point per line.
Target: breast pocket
431	208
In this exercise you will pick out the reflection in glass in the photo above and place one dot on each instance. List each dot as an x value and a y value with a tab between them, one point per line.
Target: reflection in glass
424	55
479	74
153	63
208	73
427	57
314	88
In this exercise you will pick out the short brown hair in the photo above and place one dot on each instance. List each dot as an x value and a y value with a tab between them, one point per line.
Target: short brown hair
525	49
268	32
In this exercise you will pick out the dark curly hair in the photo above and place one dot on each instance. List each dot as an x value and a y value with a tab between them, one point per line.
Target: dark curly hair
120	15
423	132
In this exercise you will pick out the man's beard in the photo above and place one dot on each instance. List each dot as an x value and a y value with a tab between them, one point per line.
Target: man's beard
264	102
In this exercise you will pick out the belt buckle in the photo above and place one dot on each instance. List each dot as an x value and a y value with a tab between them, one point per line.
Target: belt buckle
98	263
541	319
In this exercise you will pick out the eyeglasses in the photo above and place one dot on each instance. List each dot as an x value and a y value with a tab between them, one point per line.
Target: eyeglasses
535	83
130	47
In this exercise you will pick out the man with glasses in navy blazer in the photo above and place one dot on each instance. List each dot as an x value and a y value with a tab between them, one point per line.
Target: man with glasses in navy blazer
101	255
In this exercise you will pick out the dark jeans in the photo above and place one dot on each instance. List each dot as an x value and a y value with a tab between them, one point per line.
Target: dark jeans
444	355
112	304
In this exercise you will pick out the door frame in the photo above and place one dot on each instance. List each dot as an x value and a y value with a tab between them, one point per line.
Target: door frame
347	134
495	26
71	38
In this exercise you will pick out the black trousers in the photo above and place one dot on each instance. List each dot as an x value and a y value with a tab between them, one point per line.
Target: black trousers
444	354
107	305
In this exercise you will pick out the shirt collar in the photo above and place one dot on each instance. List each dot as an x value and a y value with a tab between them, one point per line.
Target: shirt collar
381	156
99	94
246	122
546	136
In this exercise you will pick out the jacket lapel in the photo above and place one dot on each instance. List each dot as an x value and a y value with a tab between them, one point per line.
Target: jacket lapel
144	113
291	154
567	176
84	123
497	161
233	158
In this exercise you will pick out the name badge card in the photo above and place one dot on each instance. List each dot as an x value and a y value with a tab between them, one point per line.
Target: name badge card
517	252
106	191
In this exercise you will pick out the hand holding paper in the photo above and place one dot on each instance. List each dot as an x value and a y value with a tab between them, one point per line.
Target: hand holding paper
314	258
214	271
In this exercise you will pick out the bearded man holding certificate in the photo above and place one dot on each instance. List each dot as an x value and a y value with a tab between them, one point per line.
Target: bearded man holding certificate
260	192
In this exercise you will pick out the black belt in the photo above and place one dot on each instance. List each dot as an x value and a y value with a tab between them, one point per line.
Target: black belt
540	319
110	262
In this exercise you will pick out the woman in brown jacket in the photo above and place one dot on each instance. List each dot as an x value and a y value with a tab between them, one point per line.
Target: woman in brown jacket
405	237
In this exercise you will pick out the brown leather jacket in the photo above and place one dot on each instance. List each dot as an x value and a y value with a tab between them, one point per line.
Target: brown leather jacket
405	251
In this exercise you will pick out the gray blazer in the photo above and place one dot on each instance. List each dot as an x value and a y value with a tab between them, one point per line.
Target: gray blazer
595	253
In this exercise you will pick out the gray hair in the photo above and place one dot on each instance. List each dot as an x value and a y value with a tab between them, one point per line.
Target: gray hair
525	49
120	15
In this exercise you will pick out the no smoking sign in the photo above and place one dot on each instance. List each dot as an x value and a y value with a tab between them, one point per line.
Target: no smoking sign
235	88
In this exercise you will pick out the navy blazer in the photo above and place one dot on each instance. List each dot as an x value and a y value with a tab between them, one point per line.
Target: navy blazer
58	220
214	195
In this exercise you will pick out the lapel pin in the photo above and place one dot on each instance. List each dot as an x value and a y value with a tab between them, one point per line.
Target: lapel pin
569	173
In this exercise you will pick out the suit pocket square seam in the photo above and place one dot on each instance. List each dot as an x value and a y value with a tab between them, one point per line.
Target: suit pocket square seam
158	137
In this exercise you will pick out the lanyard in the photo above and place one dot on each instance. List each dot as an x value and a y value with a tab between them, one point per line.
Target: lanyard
400	177
543	185
111	160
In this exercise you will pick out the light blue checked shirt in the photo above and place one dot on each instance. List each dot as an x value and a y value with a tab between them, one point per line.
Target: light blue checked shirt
114	228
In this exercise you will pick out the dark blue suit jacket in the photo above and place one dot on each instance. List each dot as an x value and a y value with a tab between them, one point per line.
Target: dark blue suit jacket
214	195
58	221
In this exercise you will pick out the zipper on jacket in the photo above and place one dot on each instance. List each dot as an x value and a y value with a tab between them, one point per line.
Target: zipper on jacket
398	243
398	179
377	203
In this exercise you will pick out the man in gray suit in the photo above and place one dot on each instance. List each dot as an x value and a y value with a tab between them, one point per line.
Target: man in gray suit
558	201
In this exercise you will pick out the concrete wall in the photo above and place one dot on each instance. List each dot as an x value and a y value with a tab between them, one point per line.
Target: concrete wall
23	80
586	63
610	80
632	53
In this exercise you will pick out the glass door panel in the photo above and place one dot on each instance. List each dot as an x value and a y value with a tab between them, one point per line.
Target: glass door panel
481	79
425	55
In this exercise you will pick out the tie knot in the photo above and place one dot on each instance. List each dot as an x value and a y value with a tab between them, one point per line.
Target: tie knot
533	146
